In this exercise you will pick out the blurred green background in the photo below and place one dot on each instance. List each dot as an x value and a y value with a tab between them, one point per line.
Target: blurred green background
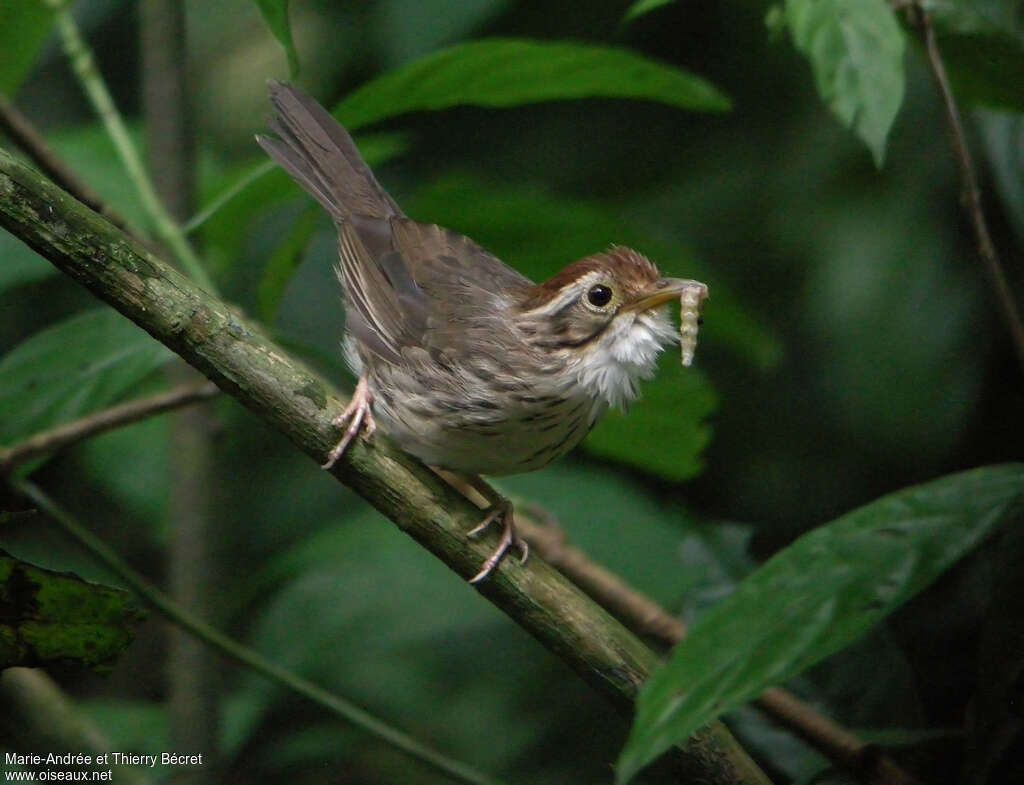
851	347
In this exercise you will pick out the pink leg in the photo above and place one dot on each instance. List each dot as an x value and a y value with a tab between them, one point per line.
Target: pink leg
501	510
358	415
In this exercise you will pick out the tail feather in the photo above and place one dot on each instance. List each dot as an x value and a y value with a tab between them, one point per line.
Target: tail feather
315	150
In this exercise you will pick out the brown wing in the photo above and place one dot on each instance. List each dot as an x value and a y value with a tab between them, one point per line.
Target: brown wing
448	289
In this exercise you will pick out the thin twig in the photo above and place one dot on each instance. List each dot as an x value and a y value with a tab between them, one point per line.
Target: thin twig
646	617
236	651
971	196
26	136
83	63
104	420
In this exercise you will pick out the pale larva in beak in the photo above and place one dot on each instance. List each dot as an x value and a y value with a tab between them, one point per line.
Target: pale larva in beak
690	300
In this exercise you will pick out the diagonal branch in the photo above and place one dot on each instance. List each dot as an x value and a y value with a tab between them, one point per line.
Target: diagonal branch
242	361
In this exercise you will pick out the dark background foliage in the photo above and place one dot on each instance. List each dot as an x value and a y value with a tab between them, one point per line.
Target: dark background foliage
851	348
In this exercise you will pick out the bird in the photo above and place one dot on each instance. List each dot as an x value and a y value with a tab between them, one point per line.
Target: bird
464	362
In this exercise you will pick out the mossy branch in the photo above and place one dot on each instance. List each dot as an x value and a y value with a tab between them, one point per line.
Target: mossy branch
235	354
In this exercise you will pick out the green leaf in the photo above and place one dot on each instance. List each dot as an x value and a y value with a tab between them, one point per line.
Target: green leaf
814	598
275	14
85	363
285	259
665	432
49	618
856	51
24	25
511	72
642	7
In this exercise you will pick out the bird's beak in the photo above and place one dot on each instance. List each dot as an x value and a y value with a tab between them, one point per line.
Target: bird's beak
667	289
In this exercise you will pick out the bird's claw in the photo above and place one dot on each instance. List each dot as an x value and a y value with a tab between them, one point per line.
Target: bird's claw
509	539
357	414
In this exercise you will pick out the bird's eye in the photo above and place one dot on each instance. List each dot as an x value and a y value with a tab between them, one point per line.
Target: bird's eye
599	295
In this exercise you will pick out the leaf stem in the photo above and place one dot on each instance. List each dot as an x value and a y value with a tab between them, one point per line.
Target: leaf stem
83	63
236	651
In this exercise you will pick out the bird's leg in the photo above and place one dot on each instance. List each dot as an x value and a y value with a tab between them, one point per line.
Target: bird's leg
500	510
358	415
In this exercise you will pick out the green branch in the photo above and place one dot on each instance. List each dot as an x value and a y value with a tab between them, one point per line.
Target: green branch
245	363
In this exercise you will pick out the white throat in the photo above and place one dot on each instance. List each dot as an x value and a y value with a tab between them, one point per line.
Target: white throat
625	354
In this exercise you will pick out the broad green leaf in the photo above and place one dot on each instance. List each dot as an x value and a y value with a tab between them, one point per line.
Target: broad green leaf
275	14
51	618
24	25
511	72
642	7
855	48
665	432
814	598
85	363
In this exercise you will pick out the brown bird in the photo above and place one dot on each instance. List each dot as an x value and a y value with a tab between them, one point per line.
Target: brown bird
465	363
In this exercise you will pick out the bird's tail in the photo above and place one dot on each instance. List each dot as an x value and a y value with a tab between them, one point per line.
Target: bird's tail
315	150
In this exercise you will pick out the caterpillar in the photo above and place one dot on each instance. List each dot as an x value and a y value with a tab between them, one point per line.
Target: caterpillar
690	300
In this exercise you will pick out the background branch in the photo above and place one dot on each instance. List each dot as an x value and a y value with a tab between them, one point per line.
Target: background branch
20	130
971	191
83	63
239	358
105	420
193	686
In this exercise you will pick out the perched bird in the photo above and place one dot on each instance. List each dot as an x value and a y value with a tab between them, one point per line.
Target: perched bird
464	362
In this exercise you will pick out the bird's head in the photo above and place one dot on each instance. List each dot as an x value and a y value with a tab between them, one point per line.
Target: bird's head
605	318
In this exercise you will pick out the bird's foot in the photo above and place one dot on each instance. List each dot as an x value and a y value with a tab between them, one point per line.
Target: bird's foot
501	510
358	415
